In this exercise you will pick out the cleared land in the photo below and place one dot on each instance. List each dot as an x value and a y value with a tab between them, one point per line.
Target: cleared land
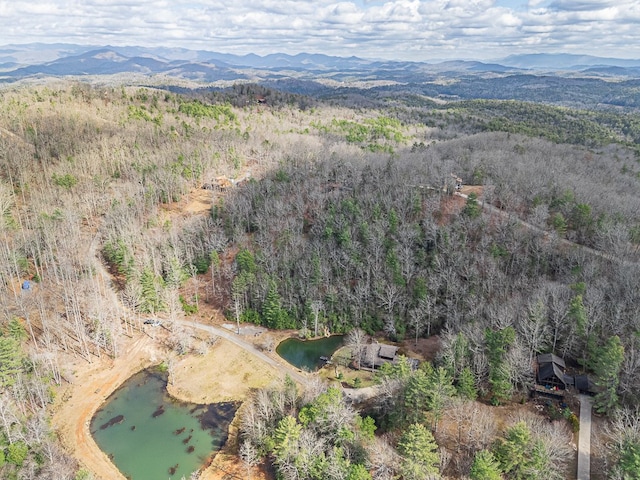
225	373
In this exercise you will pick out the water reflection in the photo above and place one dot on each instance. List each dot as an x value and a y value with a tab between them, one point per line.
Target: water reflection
150	436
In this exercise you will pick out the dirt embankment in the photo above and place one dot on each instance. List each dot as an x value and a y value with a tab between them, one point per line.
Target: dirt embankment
93	382
224	373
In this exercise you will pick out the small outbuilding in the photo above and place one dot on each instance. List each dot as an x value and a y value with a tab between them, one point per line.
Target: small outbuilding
584	385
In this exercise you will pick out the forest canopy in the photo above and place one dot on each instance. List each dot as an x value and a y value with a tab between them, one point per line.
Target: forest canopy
318	211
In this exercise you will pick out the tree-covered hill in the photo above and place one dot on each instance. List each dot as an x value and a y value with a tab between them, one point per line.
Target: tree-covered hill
580	92
321	209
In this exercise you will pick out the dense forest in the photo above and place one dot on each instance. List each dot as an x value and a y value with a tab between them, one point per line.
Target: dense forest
329	210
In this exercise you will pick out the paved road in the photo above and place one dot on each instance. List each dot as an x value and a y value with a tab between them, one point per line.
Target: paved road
285	369
584	438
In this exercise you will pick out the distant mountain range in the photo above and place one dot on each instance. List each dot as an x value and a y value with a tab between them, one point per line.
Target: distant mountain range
566	61
562	79
40	60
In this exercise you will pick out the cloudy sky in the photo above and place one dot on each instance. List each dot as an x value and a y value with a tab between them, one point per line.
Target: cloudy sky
393	29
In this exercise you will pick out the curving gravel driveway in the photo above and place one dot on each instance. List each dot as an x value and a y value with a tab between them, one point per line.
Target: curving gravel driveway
562	241
285	369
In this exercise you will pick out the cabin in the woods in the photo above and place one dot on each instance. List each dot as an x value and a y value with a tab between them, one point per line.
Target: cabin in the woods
551	371
376	354
551	378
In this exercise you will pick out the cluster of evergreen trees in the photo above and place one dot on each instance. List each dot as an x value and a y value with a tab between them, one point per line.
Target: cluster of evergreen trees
419	399
317	435
313	436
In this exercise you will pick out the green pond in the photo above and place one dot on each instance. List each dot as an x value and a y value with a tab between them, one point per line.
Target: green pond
150	436
305	354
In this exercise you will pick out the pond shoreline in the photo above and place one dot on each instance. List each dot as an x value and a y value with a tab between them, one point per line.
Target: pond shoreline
77	403
156	433
90	384
309	354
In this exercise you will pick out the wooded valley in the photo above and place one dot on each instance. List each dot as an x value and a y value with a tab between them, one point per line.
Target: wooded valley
334	212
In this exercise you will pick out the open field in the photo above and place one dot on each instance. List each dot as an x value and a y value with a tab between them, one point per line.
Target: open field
225	373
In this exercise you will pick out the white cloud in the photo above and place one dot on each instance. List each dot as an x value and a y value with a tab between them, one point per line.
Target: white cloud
410	29
508	19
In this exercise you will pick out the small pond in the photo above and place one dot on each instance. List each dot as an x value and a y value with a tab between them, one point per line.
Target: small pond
305	354
150	436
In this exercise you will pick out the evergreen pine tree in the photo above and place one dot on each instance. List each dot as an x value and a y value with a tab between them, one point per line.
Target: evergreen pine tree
274	316
10	360
420	452
152	286
467	384
16	330
606	365
520	457
440	390
497	343
485	467
415	398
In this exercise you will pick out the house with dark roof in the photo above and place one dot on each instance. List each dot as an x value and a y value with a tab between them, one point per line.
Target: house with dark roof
551	358
551	378
376	354
584	385
551	371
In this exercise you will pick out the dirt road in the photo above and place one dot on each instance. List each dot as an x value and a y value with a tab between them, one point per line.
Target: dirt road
282	367
562	241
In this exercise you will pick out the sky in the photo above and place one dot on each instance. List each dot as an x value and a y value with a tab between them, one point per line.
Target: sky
418	30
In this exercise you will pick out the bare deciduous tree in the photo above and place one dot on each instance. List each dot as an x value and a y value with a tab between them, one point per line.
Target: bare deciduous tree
316	308
356	339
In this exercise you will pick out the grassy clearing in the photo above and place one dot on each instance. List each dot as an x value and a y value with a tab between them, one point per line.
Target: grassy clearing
340	371
224	373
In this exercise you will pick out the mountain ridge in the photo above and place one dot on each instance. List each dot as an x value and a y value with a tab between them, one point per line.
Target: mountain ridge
562	61
550	79
32	54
